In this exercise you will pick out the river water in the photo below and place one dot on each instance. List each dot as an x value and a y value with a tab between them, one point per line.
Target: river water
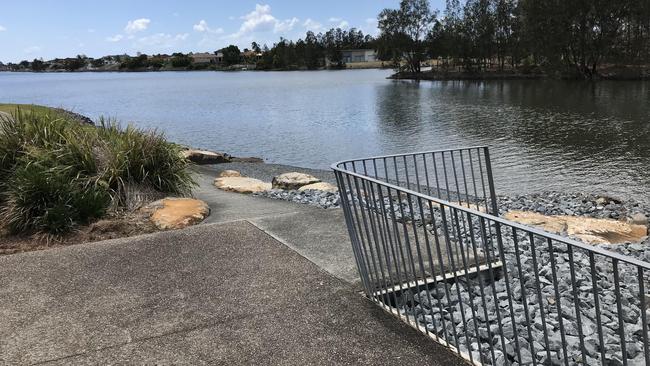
543	135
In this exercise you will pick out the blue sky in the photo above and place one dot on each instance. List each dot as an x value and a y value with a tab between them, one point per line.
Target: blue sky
55	28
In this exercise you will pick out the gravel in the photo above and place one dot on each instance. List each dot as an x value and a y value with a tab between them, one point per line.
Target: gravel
489	311
310	197
480	310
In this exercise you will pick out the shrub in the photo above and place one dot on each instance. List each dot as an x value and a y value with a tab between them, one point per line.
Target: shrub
56	173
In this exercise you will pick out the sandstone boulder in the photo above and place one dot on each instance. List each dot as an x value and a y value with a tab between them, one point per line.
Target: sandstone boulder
229	173
177	213
293	180
241	184
587	229
322	186
203	157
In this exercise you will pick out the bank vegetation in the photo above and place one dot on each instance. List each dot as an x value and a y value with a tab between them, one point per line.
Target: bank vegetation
57	173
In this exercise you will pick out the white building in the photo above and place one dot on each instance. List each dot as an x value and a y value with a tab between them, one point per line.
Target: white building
359	55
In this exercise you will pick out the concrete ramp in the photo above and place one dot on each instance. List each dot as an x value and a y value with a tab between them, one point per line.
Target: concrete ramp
224	294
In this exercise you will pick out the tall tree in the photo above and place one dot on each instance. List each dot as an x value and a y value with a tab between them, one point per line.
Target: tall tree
231	55
405	30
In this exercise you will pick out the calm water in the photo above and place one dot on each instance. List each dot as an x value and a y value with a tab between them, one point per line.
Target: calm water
569	136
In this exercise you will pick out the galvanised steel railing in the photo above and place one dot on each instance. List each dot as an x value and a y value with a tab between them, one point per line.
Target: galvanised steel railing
432	250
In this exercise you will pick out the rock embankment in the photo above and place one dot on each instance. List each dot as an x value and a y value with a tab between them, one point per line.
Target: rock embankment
292	186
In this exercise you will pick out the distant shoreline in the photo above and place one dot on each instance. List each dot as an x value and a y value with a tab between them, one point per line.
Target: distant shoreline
351	66
618	73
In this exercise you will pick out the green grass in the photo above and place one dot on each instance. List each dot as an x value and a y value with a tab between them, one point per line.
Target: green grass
56	173
12	108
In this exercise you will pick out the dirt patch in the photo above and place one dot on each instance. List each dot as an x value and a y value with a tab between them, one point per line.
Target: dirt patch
112	227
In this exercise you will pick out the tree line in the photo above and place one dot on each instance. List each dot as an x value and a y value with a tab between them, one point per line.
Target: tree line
560	36
314	51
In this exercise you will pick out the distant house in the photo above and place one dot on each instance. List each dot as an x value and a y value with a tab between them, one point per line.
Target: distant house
219	57
251	55
359	55
204	58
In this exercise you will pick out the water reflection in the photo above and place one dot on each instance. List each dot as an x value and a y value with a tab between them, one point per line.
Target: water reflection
546	135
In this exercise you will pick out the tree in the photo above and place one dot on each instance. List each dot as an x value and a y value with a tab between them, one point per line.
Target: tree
256	47
180	60
405	30
134	63
231	55
73	64
98	62
333	44
38	65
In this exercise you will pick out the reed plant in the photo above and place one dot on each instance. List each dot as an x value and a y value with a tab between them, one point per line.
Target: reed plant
56	173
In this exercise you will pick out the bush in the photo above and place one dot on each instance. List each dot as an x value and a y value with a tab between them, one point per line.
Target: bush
56	173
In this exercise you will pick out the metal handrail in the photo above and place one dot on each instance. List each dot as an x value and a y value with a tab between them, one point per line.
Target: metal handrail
393	235
493	218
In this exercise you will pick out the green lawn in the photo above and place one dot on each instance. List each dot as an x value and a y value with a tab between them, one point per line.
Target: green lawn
10	108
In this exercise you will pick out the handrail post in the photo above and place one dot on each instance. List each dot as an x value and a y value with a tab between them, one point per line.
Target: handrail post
490	177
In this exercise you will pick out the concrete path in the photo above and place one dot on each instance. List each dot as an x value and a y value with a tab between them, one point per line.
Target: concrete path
225	294
317	234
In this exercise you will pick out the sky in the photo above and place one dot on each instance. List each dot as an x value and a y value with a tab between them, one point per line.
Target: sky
54	28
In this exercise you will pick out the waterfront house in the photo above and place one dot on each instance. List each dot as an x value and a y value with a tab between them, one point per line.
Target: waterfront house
359	55
249	55
204	58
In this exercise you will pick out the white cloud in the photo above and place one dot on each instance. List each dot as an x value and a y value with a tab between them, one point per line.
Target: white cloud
202	27
32	49
137	25
285	25
261	20
341	23
2	29
312	25
161	40
115	38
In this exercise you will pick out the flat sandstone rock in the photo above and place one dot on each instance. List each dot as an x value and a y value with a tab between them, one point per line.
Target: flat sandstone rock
293	180
587	229
322	186
229	173
203	157
241	184
177	213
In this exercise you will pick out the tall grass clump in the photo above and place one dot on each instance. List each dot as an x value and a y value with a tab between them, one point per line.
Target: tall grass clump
56	173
